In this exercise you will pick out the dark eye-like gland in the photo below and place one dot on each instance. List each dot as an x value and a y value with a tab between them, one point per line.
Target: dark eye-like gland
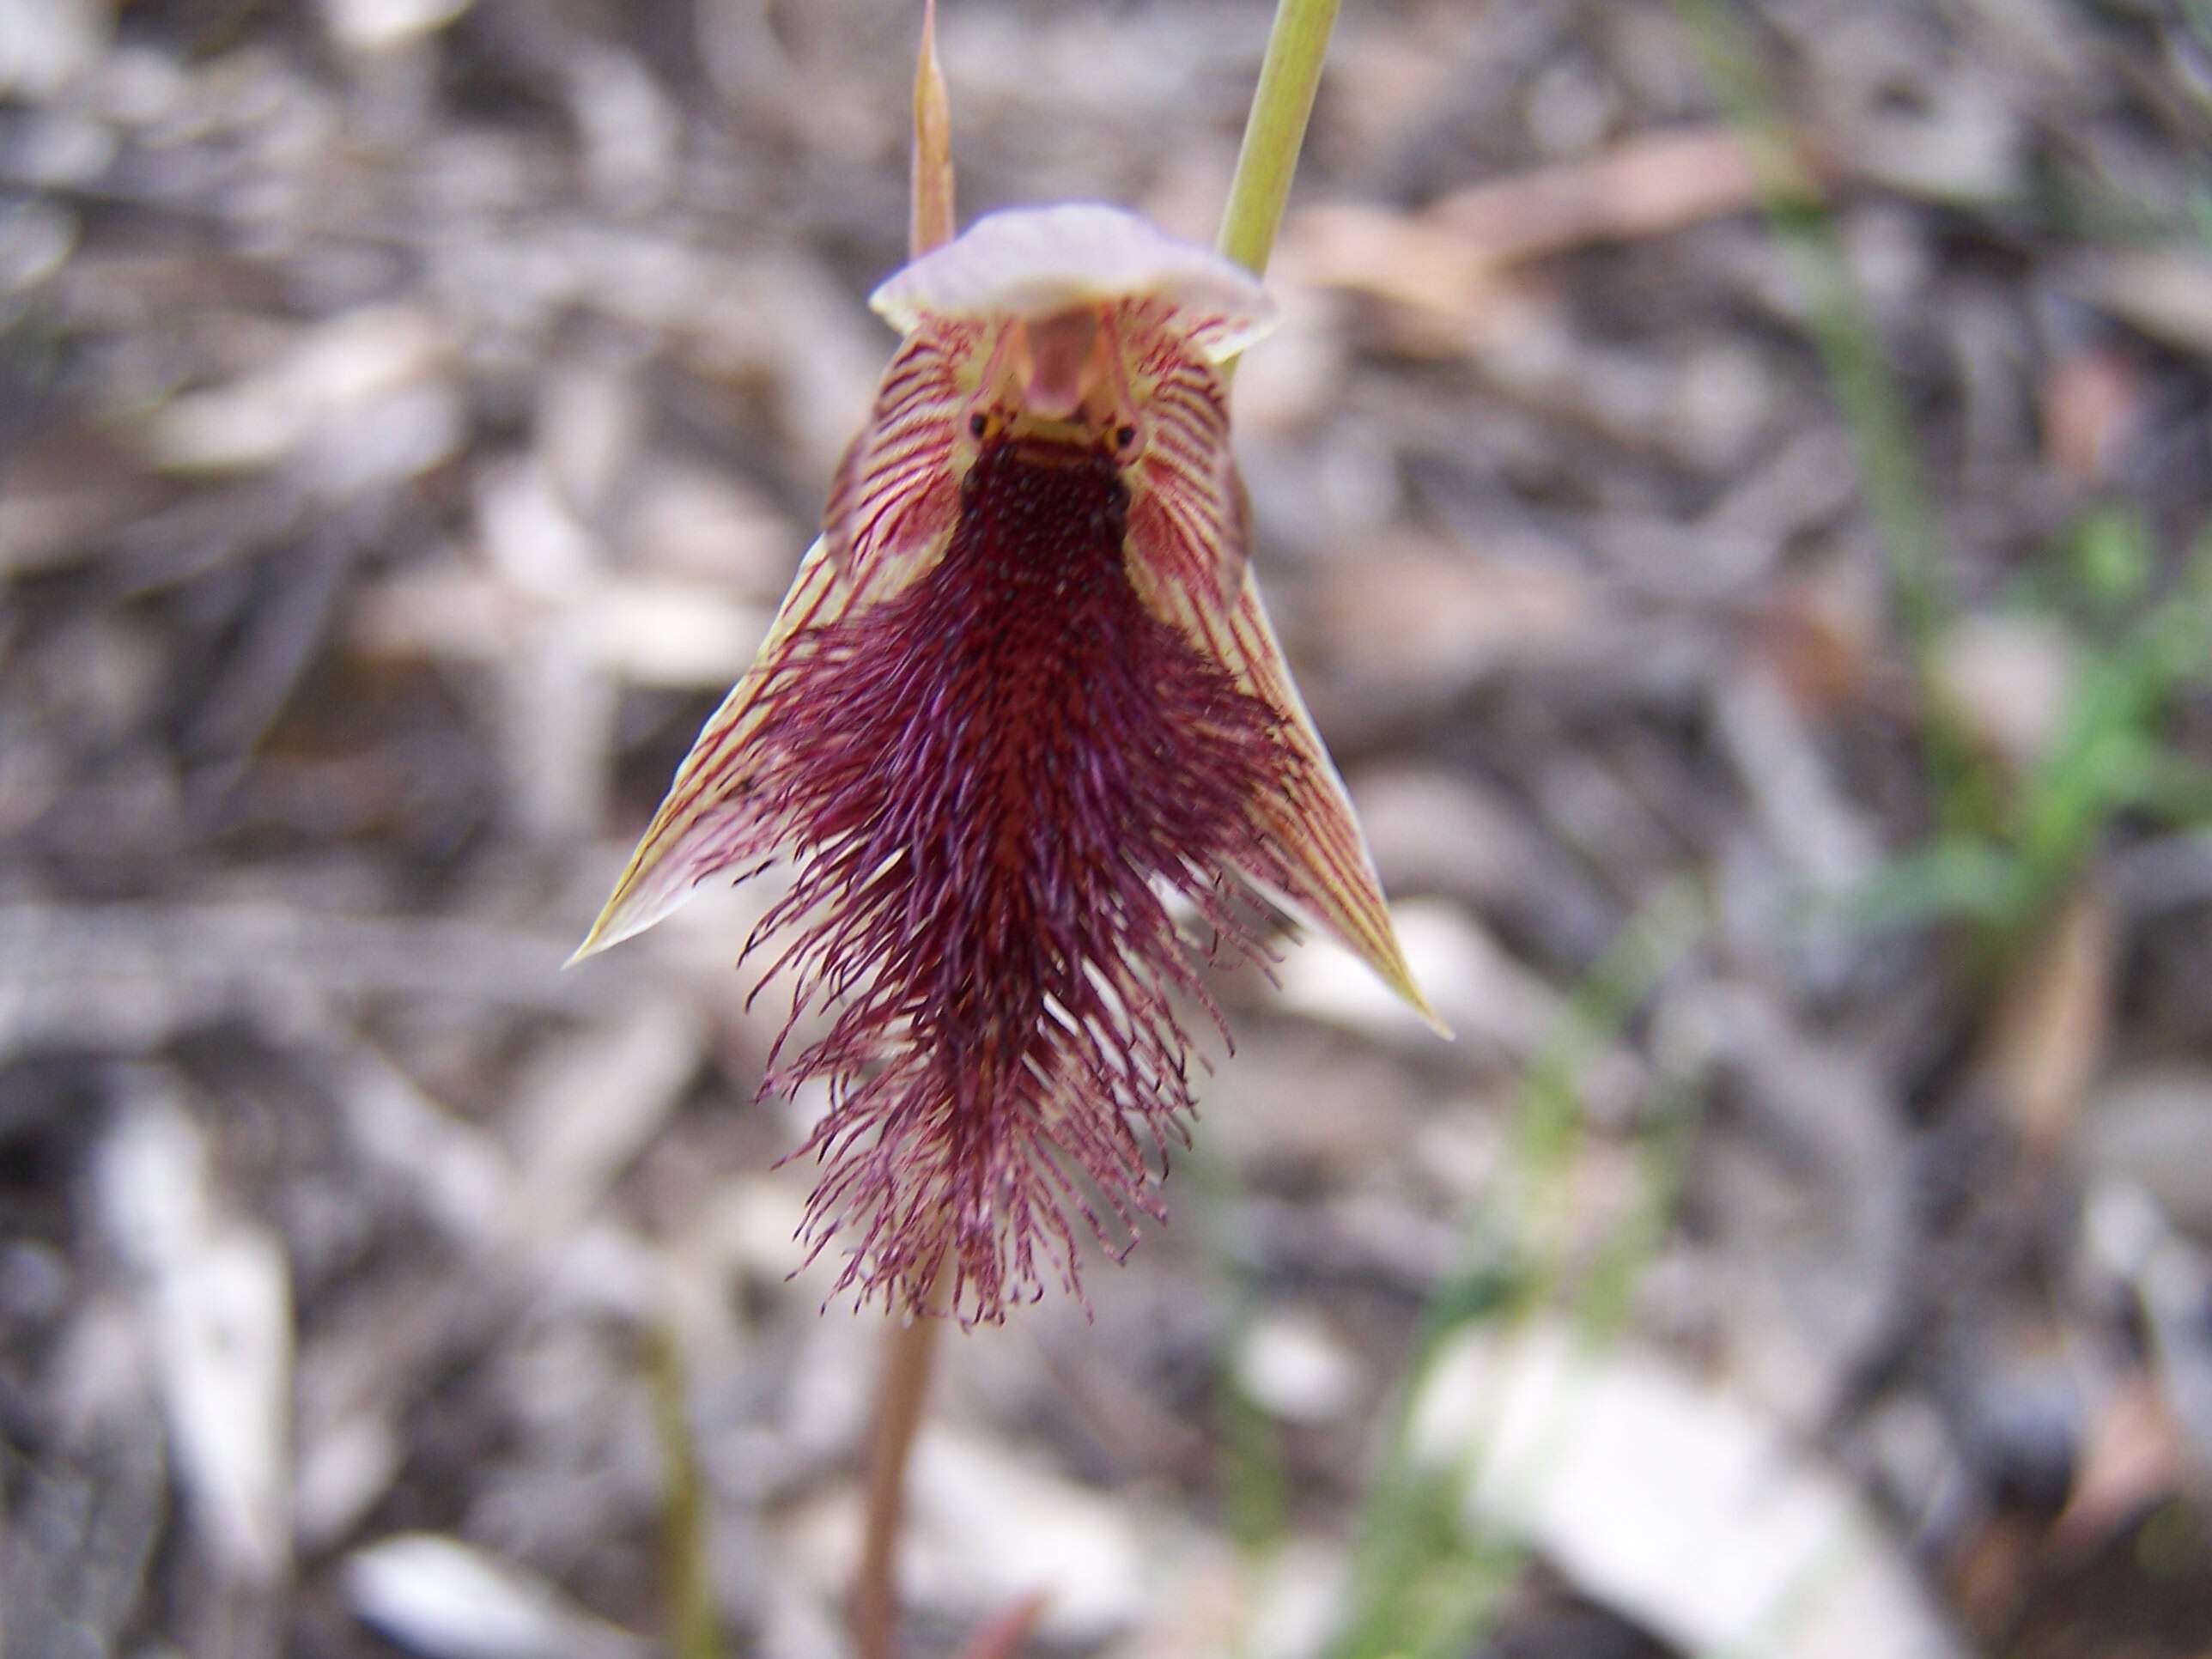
1124	436
978	424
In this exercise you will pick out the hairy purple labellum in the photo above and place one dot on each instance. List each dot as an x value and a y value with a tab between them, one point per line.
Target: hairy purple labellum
992	777
1021	698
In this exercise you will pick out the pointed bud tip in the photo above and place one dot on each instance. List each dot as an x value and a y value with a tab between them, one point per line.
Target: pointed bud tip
932	214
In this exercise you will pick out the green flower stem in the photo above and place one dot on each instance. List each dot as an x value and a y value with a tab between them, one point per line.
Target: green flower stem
1275	130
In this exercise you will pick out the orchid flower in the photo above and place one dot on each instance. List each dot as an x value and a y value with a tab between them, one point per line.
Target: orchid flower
1023	733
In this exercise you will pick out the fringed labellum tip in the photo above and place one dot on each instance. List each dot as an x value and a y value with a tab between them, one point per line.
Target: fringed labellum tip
1021	705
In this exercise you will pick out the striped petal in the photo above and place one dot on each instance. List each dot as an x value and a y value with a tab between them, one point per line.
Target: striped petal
897	494
1189	521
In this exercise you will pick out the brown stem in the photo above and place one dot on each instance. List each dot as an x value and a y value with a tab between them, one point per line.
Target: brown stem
901	1392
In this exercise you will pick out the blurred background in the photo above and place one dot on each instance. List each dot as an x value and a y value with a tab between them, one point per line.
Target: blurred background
1734	482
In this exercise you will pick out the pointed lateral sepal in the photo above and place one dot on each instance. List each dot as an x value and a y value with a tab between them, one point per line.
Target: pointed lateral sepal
1331	874
1326	876
1189	530
709	819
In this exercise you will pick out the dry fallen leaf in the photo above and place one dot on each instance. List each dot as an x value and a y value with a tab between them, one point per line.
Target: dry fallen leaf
2166	292
446	1600
1668	1500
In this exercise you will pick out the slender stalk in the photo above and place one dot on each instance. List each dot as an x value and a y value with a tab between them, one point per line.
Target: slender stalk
1276	129
902	1390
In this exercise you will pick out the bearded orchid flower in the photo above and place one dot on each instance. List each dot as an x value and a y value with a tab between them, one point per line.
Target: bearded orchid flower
1021	706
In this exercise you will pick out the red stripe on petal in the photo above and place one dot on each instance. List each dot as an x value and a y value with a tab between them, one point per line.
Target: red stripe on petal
896	498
